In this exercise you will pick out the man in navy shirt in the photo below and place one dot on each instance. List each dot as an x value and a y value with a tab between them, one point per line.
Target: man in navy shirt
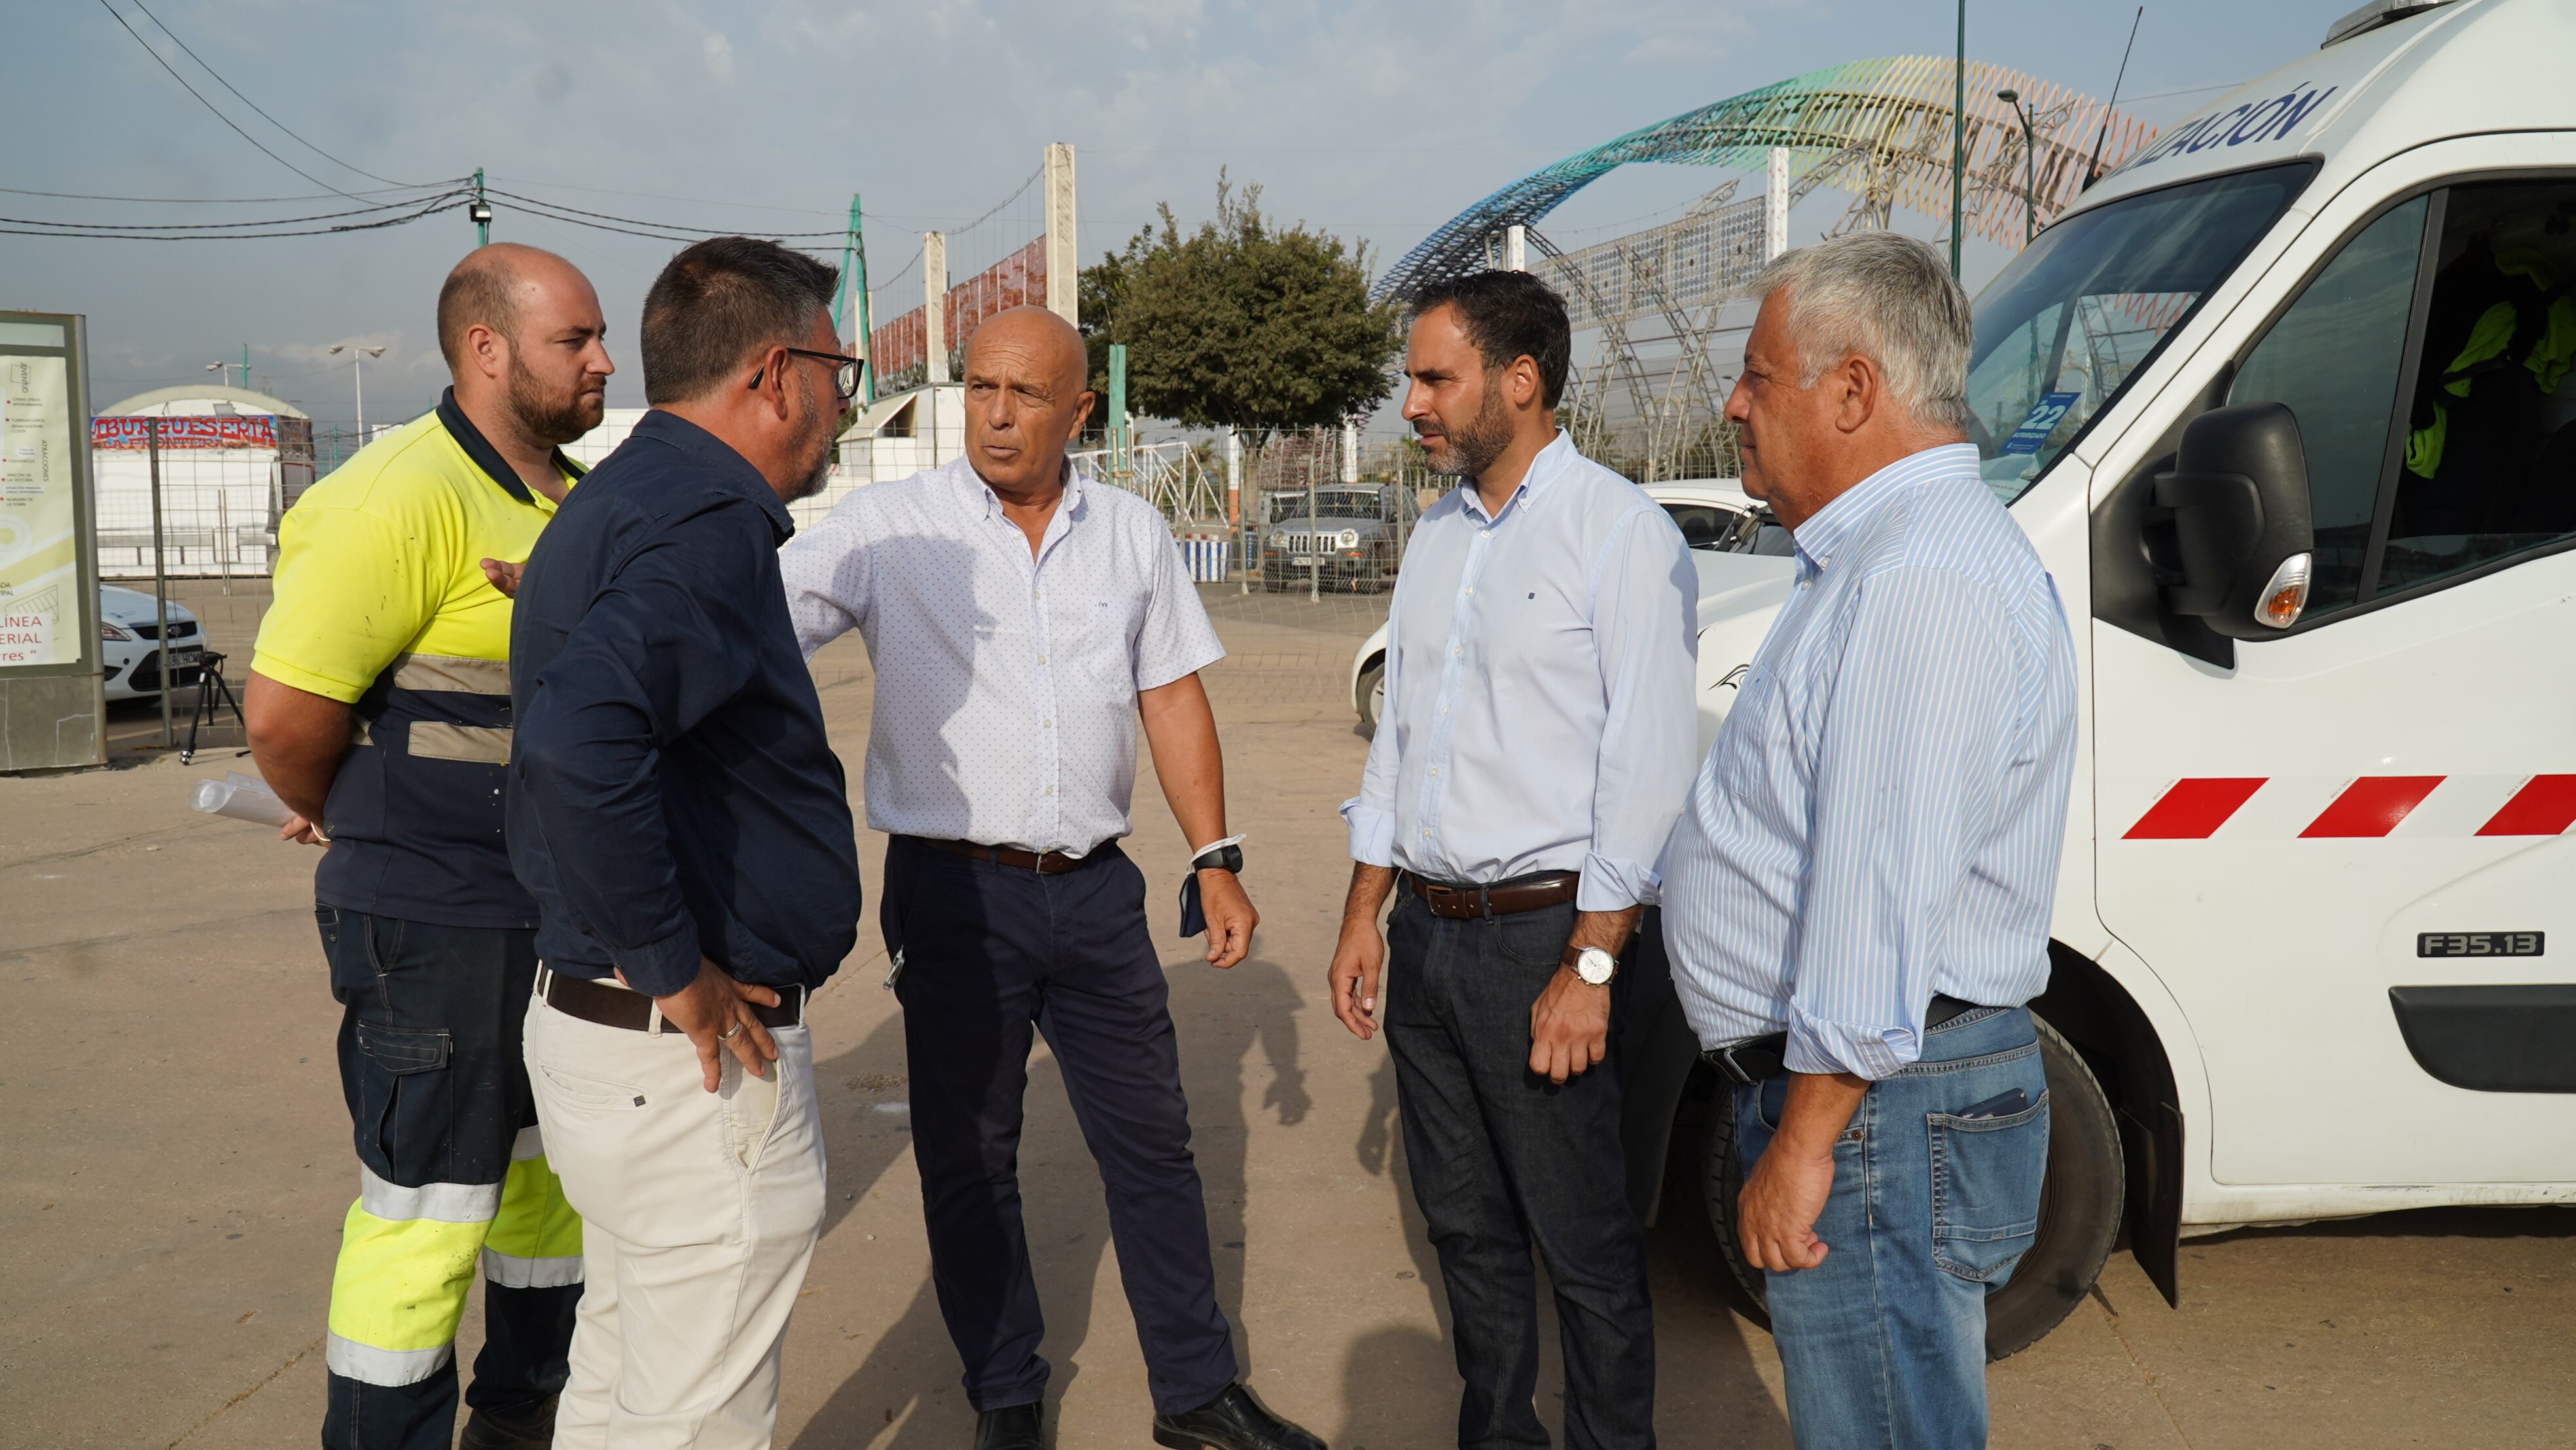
685	829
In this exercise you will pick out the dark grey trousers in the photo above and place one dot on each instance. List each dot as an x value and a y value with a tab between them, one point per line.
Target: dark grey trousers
1504	1162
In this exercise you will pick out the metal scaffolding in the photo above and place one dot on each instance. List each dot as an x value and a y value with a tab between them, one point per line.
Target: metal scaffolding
1653	392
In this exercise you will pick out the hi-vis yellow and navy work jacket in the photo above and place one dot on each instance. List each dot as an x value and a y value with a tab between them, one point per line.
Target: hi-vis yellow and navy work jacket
382	603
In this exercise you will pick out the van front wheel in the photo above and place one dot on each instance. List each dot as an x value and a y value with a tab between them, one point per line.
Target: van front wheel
2079	1206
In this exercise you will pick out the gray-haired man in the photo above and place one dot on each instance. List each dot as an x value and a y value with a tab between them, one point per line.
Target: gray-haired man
1856	900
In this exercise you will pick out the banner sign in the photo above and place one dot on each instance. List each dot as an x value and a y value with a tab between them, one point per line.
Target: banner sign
239	430
40	614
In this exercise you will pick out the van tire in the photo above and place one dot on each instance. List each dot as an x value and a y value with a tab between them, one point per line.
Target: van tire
1365	697
2079	1206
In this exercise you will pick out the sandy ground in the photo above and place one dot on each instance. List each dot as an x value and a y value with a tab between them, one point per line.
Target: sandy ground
174	1165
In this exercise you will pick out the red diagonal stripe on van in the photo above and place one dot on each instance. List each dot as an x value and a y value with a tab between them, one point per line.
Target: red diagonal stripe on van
2372	805
2545	806
2194	808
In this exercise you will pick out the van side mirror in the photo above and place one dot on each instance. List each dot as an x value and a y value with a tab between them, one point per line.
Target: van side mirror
2238	499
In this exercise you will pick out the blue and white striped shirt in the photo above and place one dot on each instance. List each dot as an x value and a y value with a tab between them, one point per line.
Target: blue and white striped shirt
1881	815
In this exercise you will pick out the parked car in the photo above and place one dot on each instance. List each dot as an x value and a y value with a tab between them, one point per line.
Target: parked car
1348	538
1715	515
130	647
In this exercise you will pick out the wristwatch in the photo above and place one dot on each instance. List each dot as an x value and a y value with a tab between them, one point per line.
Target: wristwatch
1595	966
1223	856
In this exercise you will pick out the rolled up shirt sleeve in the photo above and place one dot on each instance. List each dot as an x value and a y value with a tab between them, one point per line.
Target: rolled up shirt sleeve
655	653
1907	764
1644	618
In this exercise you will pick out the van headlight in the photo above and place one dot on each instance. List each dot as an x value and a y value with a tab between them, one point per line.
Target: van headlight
1350	537
112	631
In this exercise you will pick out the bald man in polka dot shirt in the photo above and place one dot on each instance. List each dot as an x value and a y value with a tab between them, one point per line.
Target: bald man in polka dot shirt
1022	619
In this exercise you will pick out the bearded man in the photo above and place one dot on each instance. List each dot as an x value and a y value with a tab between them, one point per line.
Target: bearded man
1536	747
685	828
379	711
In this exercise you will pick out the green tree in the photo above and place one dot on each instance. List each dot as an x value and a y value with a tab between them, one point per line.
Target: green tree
1243	323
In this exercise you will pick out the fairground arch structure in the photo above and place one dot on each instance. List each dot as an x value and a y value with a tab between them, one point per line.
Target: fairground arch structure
1652	393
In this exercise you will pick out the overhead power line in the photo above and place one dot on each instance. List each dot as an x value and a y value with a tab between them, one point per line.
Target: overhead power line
638	222
158	59
232	200
27	227
254	105
228	226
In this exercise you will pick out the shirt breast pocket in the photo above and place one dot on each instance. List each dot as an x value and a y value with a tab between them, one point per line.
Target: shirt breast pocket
1750	727
1104	638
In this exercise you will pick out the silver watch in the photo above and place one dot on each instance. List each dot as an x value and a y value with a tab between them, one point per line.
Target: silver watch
1595	966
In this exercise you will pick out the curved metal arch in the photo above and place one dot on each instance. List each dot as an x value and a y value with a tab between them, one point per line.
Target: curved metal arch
1879	129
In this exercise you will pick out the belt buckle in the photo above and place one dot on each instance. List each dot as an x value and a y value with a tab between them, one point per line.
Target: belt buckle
1723	1059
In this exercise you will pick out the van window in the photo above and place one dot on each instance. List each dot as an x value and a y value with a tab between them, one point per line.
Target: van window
2490	443
2066	325
2335	359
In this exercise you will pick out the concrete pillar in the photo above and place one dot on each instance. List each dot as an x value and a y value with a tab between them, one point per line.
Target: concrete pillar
1063	258
934	305
1775	206
1351	440
1516	248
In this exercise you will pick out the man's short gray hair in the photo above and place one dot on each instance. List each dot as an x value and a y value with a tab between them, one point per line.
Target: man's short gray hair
1886	297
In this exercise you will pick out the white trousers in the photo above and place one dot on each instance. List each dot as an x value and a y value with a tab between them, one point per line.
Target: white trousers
699	1214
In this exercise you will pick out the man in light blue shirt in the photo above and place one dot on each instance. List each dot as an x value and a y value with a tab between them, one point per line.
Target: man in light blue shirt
1536	745
1857	896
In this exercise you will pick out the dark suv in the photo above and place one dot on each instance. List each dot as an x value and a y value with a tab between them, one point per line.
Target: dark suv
1348	537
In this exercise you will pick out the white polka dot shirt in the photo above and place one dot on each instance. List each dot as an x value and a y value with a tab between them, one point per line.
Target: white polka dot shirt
1006	684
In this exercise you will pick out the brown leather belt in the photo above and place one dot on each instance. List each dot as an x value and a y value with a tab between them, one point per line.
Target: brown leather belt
1051	863
617	1007
1500	898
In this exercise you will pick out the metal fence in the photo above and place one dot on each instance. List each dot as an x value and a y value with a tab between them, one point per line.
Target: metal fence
221	488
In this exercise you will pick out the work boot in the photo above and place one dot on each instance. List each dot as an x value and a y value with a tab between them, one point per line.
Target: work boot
1012	1427
521	1427
1234	1420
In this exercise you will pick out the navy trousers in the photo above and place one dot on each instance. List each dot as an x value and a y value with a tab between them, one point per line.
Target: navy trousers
438	1095
991	954
1506	1164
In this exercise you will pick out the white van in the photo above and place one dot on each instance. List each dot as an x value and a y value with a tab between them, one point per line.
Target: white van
2286	405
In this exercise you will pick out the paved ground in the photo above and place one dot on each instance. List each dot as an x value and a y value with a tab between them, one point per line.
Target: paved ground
174	1166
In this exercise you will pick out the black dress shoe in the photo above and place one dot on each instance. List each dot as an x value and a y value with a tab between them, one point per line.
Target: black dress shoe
1012	1427
521	1427
1234	1420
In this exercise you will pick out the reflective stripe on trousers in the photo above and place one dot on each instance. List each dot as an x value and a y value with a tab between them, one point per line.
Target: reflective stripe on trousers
408	1253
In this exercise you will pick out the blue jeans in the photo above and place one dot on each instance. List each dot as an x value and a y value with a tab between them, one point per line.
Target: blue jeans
1884	1343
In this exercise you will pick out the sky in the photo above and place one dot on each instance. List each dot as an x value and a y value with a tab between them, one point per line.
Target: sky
1374	120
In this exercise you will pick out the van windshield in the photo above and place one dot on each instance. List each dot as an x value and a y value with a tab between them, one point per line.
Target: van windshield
2084	307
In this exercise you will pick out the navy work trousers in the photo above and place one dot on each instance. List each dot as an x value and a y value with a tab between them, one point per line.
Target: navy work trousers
991	954
1505	1162
438	1102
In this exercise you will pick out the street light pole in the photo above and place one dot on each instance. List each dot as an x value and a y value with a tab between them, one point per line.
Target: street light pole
2029	164
357	372
1959	143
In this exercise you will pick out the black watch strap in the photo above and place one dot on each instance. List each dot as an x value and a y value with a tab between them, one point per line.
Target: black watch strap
1227	857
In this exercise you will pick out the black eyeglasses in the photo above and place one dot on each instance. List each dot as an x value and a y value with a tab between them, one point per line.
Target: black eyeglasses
845	370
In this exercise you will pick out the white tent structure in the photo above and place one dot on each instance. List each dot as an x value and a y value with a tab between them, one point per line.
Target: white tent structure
232	461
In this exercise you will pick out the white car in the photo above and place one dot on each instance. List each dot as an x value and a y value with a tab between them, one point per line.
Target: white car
1718	519
129	644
